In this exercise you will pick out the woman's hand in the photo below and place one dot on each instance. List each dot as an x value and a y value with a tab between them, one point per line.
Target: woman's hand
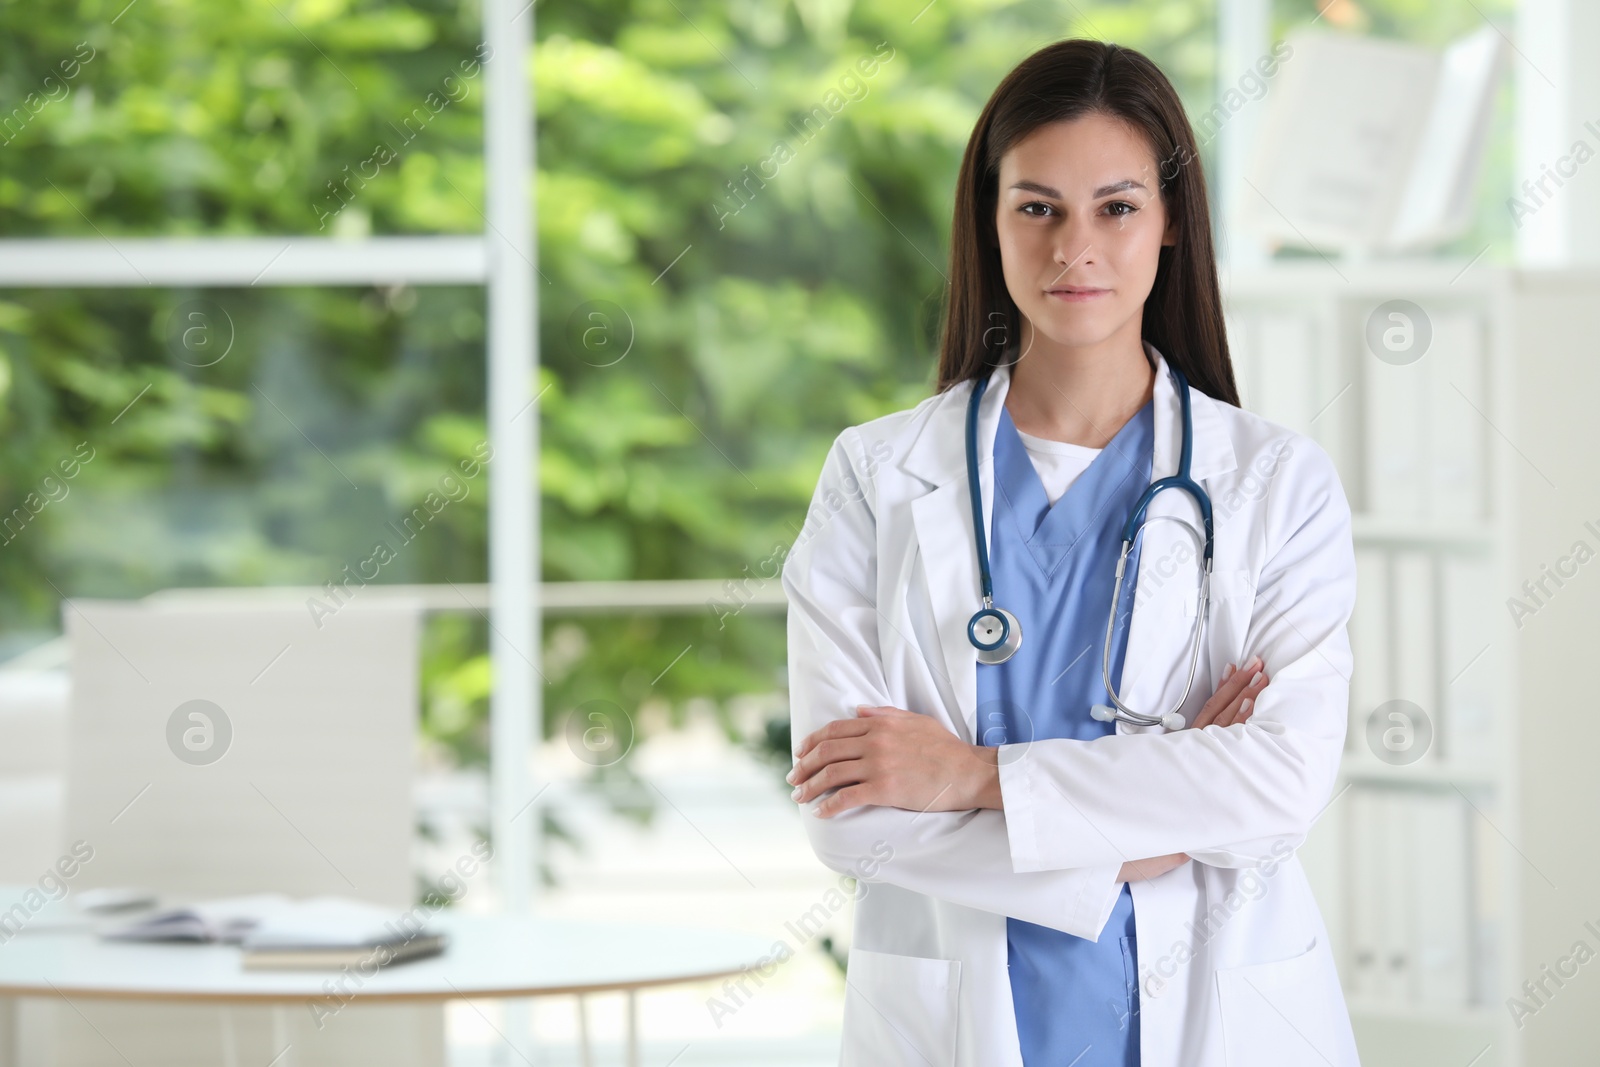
1235	697
895	758
1233	702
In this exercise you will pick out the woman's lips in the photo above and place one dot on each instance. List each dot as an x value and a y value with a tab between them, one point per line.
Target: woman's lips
1075	297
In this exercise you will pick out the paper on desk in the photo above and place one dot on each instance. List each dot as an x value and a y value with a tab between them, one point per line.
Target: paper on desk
228	919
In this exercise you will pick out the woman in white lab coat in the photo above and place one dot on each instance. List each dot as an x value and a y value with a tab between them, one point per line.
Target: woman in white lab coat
1081	263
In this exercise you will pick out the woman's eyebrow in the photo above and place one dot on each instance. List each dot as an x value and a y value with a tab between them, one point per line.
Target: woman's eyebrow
1117	187
1104	190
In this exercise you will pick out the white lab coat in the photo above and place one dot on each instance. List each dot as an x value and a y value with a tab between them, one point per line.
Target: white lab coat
1234	964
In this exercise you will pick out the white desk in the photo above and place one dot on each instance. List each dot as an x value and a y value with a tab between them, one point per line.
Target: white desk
488	956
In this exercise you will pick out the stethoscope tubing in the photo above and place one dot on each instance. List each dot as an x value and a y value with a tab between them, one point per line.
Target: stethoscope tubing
1010	638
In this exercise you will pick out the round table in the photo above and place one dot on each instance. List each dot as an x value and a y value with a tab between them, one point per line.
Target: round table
488	957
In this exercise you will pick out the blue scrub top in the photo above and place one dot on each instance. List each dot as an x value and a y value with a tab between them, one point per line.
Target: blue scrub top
1076	1001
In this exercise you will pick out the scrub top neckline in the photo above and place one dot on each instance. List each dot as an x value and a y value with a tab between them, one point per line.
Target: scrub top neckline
1056	448
1050	531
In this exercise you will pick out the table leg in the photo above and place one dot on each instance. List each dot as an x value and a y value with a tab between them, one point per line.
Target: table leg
585	1052
633	1028
230	1039
282	1046
519	1033
8	1033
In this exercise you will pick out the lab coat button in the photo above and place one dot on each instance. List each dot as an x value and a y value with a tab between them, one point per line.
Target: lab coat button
1154	985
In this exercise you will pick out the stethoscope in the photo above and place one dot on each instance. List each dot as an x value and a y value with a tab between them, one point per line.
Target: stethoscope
997	634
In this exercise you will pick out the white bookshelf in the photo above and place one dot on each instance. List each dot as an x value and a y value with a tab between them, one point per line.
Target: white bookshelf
1412	871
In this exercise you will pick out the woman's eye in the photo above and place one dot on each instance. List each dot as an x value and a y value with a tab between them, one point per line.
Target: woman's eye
1035	204
1122	203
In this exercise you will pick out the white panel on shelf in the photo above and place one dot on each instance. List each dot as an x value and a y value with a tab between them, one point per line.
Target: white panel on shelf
1409	898
1416	663
1470	661
1488	866
1398	921
1336	418
1442	951
1454	422
1287	368
1371	642
1364	894
1395	436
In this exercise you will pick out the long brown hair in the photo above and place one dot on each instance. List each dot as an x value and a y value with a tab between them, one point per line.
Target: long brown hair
1065	80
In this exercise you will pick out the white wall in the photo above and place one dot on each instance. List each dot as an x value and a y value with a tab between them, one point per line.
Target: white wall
1557	490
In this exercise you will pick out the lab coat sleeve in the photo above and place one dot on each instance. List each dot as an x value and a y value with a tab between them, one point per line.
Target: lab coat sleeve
1228	796
830	578
1258	853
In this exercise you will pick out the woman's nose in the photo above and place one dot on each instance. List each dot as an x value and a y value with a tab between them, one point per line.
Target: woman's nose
1074	244
1073	250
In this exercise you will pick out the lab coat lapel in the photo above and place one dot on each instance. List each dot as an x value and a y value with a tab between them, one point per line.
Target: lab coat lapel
943	520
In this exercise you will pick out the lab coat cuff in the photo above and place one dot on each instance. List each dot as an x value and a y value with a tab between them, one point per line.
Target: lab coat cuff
1098	886
1022	831
1101	887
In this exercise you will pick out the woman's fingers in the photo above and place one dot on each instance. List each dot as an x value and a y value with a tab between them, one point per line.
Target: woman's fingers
1236	686
823	755
1208	712
1155	867
1241	707
843	773
1237	712
851	727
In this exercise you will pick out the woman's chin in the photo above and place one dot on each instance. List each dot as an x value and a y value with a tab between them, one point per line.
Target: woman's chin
1075	327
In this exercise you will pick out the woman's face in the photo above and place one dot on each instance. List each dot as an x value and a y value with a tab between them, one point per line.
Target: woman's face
1079	207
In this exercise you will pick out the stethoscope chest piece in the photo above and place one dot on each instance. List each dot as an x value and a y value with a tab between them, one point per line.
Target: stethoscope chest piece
995	633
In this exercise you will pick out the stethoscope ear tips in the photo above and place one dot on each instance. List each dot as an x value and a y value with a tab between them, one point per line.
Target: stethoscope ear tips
1171	720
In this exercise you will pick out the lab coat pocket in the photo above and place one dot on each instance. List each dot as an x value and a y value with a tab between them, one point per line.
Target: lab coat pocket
900	1011
1227	583
1286	1012
1233	597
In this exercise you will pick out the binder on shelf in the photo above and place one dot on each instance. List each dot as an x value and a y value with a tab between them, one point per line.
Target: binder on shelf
1443	923
1289	372
1370	644
1488	851
1417	922
1335	401
1396	442
1470	660
1426	434
1398	921
1364	895
1456	436
1415	648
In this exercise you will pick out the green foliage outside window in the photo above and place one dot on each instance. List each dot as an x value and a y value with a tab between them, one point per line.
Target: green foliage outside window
742	208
